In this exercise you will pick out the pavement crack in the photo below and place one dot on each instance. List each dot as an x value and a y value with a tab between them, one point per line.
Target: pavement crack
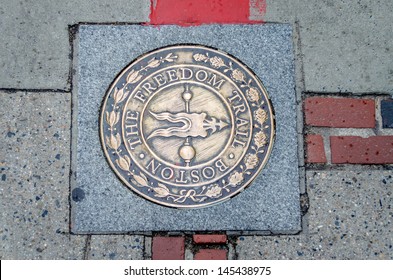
304	203
86	250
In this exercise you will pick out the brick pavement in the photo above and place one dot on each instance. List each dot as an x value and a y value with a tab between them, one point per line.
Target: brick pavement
348	146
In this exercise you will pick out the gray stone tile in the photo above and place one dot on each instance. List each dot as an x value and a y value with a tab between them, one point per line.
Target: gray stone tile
116	247
351	214
347	46
35	47
272	247
277	11
107	202
350	217
34	185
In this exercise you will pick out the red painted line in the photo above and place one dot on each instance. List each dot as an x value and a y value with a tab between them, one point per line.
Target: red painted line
191	12
259	5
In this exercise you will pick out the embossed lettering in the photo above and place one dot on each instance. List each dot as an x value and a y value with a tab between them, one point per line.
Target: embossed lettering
237	143
140	96
184	72
152	166
159	78
132	129
134	143
167	173
213	82
172	75
220	165
132	116
195	176
241	133
235	96
240	122
239	108
208	172
201	75
149	88
181	180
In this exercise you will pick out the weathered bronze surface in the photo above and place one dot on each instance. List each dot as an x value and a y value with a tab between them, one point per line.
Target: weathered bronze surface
187	126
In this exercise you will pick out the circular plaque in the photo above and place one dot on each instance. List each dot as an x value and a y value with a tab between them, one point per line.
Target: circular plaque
187	126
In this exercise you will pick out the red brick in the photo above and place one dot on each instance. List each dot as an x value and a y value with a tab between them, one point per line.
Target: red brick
168	248
209	238
211	254
355	149
315	149
340	112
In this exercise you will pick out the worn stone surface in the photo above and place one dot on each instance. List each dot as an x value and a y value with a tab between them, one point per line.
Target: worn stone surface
116	247
35	47
34	185
345	45
106	203
276	11
350	217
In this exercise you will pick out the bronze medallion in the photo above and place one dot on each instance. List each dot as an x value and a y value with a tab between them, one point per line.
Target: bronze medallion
187	126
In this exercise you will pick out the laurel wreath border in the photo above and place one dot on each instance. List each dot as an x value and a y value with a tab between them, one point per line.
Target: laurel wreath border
250	161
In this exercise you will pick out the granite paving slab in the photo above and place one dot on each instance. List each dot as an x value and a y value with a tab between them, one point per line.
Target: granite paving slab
349	217
34	172
35	44
102	204
116	247
346	46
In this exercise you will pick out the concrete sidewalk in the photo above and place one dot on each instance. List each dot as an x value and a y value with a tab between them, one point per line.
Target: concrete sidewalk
342	49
